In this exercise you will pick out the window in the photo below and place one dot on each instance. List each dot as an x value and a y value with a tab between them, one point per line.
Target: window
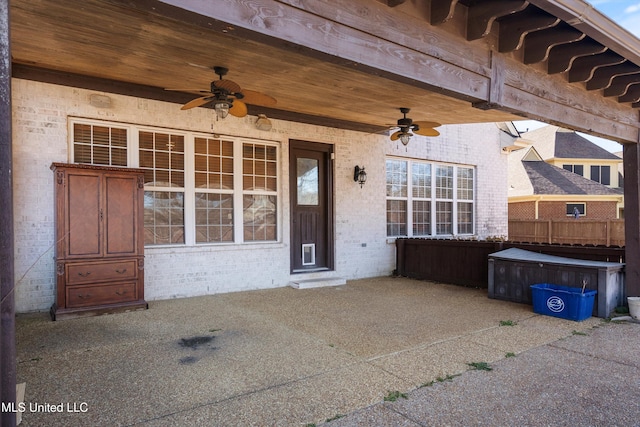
198	189
577	169
99	145
162	159
213	172
601	174
571	207
465	200
396	198
259	180
429	199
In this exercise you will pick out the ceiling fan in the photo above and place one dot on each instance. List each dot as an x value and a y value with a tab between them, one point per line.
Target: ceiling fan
227	95
408	127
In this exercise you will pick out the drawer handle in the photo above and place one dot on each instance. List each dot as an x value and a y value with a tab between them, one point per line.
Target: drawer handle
84	296
121	293
84	274
121	271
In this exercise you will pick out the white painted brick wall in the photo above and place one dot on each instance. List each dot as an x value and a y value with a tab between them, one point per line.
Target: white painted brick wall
40	114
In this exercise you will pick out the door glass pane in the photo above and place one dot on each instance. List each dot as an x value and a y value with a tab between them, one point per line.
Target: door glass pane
307	173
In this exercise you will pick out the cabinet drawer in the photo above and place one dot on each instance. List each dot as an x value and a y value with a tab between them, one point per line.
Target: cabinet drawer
83	296
101	271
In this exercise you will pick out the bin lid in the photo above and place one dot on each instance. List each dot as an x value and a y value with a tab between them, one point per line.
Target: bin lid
516	254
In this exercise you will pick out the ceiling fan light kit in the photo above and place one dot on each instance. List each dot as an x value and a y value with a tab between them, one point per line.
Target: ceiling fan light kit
407	128
226	95
222	109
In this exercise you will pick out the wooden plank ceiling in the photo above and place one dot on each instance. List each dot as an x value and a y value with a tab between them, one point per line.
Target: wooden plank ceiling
449	61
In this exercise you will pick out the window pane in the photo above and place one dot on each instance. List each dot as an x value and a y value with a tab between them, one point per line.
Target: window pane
465	218
421	218
99	145
444	182
214	217
465	183
82	153
579	169
421	180
212	164
307	182
259	218
605	175
444	218
595	173
163	217
259	175
162	156
396	217
396	178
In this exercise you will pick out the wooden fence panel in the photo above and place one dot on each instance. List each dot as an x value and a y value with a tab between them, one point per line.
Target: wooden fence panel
581	231
465	262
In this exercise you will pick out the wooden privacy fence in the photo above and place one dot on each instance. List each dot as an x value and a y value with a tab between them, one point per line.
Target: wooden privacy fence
568	231
466	262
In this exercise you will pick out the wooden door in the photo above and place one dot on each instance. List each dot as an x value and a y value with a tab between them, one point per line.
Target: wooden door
84	214
311	207
120	213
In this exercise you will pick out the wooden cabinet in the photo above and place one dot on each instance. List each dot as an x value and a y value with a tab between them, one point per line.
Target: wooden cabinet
99	240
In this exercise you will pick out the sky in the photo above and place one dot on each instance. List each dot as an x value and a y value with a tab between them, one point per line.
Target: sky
625	13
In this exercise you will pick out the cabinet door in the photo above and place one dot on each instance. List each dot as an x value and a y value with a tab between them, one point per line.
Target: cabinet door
121	211
83	214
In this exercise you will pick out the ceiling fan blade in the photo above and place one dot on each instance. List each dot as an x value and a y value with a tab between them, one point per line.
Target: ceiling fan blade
258	98
239	109
427	124
426	132
396	135
182	89
197	102
228	85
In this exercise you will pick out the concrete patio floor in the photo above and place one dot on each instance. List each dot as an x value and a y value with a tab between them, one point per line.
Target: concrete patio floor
279	357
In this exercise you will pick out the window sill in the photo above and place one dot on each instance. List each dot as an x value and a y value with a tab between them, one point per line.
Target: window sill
150	250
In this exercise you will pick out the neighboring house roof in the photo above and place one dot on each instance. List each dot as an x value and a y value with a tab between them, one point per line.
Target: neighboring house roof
555	142
548	179
529	175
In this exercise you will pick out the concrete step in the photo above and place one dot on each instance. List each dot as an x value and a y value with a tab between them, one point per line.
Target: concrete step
317	283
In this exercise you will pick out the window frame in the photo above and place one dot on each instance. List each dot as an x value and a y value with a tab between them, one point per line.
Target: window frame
598	169
578	169
189	190
436	196
582	208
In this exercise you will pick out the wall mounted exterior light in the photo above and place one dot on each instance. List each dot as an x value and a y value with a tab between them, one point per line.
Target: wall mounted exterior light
359	175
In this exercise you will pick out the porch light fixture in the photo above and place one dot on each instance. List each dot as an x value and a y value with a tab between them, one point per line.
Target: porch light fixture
263	122
359	175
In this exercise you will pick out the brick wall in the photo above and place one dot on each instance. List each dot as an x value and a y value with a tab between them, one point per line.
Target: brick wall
522	210
40	137
593	210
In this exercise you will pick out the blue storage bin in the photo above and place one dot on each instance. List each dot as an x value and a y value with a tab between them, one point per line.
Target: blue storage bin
562	301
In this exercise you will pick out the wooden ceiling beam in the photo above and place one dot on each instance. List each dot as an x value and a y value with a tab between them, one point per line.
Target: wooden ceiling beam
549	99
